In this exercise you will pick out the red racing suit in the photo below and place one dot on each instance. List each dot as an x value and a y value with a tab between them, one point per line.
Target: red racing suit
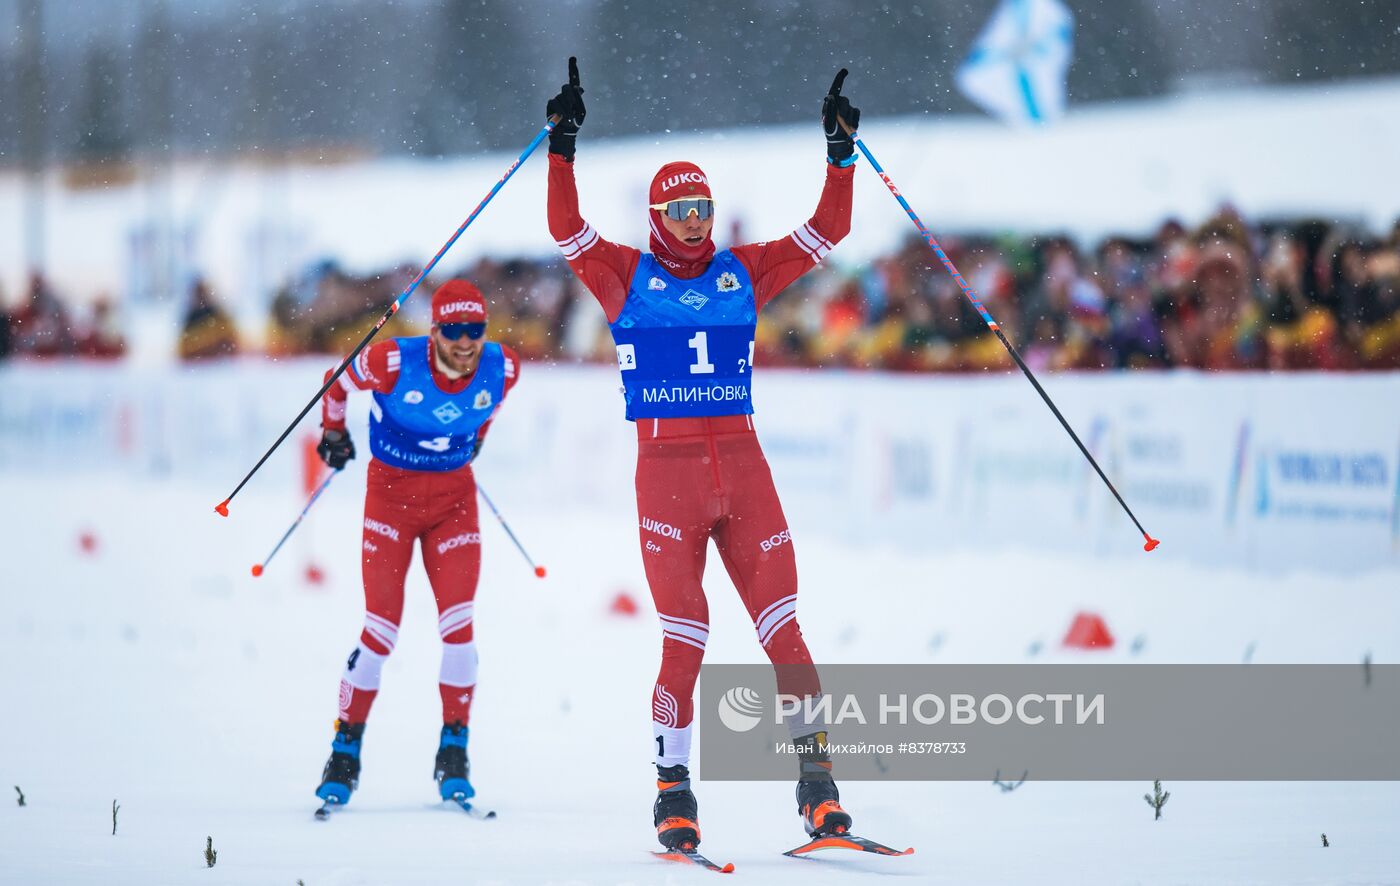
706	478
435	508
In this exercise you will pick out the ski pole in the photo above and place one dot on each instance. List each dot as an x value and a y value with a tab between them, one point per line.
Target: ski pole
222	507
1149	542
259	567
539	570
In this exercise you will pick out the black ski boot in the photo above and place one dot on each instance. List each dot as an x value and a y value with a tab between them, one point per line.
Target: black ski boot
342	773
676	814
818	800
451	770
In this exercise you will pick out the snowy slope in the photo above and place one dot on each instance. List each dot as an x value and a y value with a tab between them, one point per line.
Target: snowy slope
156	671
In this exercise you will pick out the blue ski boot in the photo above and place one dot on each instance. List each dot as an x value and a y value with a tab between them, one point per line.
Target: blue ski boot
342	773
452	771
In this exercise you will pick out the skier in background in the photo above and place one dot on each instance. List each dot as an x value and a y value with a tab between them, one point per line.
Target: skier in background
434	399
683	319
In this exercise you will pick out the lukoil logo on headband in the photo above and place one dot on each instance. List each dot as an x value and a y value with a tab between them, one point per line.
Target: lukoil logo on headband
682	178
454	307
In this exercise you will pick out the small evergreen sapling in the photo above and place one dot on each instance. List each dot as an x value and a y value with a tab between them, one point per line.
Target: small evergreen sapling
1157	799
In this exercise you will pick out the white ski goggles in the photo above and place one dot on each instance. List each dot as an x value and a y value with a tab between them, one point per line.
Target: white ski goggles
680	210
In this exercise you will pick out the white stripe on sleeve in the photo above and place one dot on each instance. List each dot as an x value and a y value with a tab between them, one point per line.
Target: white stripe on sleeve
579	243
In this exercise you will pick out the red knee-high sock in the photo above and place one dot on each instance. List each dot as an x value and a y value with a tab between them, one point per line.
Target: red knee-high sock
792	663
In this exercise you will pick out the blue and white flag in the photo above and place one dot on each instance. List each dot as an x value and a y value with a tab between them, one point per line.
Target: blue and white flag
1016	69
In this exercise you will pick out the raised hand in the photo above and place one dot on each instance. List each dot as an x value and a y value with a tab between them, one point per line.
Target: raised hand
836	108
568	107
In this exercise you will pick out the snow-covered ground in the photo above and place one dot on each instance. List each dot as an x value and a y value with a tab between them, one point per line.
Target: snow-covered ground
156	671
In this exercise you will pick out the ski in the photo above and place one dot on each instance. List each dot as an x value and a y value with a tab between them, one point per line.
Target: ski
844	841
691	856
474	811
464	804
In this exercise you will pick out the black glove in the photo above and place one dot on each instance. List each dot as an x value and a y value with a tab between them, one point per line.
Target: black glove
840	147
475	450
336	448
568	104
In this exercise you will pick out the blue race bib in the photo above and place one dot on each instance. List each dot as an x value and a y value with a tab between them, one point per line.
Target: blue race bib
685	347
419	426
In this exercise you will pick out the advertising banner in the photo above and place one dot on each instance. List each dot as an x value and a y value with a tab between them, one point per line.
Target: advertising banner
1269	472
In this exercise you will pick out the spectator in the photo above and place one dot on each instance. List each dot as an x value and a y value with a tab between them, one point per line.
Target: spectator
103	338
41	327
286	333
1284	278
207	331
1357	304
1225	334
1374	328
1134	337
4	328
1045	313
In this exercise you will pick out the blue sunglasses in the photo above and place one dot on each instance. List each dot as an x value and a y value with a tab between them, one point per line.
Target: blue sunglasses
454	331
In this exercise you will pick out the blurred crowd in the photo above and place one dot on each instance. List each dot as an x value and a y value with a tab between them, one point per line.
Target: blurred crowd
1225	296
43	325
1228	295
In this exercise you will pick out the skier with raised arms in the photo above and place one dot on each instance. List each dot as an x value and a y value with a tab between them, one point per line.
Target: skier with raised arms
434	399
683	318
